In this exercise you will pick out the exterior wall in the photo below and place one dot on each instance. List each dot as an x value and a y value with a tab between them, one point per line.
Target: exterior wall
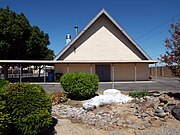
122	72
142	71
60	68
126	72
64	68
80	68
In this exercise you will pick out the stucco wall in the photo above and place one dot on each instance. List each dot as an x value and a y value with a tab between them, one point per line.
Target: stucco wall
142	71
64	68
122	72
60	68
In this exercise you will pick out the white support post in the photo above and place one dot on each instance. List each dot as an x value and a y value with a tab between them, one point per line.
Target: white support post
135	72
162	71
20	73
44	67
67	68
112	76
91	69
155	72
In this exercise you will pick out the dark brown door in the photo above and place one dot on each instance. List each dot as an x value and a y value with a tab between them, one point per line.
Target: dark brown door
103	71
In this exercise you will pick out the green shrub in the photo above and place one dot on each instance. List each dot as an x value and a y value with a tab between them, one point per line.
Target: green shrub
139	94
30	108
3	83
4	115
80	85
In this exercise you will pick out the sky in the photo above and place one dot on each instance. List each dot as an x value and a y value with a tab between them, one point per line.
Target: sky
146	21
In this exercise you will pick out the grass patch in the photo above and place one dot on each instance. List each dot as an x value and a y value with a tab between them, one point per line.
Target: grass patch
139	94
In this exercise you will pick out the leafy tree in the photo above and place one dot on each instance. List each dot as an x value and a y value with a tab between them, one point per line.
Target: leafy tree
21	41
172	44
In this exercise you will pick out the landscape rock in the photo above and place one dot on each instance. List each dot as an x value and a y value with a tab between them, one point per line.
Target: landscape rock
102	100
160	115
176	112
163	100
112	92
159	111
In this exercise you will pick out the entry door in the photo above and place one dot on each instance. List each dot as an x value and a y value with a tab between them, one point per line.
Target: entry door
103	71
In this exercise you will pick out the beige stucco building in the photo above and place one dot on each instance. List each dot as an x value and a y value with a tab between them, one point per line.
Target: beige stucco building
104	48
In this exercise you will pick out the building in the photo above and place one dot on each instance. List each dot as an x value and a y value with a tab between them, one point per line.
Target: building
104	48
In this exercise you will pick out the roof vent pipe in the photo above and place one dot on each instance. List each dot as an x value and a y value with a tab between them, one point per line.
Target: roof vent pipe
68	38
76	30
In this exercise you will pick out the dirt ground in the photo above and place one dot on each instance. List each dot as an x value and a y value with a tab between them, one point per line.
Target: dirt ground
66	127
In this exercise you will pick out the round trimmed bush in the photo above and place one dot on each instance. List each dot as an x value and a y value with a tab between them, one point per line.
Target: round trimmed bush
30	108
80	85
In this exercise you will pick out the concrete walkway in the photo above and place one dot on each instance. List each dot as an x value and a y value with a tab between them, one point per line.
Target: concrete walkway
159	84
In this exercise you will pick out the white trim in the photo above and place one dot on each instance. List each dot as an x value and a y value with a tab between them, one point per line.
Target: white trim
87	61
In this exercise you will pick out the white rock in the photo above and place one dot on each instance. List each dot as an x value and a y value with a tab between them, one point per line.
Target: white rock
106	99
112	92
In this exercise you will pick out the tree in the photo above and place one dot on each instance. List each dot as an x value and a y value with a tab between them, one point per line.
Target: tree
172	44
21	41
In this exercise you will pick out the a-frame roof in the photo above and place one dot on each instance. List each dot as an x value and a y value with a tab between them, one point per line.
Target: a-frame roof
103	11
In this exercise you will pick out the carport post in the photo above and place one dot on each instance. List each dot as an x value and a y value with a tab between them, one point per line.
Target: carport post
112	76
67	68
20	73
155	72
44	67
91	69
135	74
162	71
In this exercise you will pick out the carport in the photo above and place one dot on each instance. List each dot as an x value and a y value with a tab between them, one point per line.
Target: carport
20	64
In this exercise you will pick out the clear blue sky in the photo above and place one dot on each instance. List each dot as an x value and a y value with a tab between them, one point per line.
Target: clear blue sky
146	21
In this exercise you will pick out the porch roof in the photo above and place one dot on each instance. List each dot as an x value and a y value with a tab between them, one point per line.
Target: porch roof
72	62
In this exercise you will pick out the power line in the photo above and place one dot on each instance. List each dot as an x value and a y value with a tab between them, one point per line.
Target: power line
154	35
157	27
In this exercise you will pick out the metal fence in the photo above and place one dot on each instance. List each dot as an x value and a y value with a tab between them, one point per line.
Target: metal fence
28	74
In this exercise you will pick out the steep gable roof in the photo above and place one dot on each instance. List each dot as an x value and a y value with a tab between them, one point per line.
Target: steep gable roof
103	12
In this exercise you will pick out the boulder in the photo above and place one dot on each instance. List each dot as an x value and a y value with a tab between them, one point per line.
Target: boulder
176	112
112	92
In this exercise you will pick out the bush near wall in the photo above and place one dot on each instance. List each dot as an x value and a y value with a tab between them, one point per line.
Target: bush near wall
29	107
3	83
80	85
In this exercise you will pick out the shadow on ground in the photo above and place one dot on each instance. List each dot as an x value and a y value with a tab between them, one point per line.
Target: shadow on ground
51	130
175	95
